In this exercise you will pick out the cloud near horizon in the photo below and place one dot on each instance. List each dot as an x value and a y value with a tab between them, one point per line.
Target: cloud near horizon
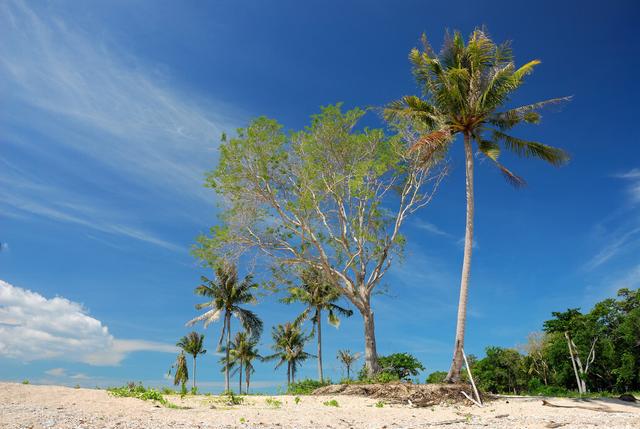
33	327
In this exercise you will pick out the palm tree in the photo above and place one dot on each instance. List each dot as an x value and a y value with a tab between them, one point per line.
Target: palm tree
465	88
317	295
347	359
181	374
289	342
227	294
193	344
241	356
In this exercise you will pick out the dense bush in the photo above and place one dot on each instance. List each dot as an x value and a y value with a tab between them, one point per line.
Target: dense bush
394	367
611	329
436	377
306	387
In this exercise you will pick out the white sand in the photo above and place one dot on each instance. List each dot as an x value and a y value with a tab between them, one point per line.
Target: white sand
35	407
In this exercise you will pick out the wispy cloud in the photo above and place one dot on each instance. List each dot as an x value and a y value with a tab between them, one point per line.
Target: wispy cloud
33	327
620	232
99	119
431	228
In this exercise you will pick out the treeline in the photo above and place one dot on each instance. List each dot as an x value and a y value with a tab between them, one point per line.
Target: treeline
596	351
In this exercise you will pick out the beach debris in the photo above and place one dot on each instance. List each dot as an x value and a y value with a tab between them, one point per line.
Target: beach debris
627	397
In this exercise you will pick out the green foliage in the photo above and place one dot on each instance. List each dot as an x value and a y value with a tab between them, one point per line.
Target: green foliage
436	377
394	367
231	398
133	390
379	404
273	402
612	328
306	387
402	365
297	400
501	371
25	382
168	391
331	403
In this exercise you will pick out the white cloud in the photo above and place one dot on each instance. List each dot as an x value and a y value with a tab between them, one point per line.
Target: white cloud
56	372
81	97
33	327
430	227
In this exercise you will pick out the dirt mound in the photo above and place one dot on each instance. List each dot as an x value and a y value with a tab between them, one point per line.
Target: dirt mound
420	395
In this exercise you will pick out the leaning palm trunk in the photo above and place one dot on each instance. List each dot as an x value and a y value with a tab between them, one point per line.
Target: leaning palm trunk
456	365
319	323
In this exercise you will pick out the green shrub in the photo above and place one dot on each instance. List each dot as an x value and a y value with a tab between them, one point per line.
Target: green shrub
272	402
133	390
379	404
395	367
168	391
25	381
331	403
436	377
306	387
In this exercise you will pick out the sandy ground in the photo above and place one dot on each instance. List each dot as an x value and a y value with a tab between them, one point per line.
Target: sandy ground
35	407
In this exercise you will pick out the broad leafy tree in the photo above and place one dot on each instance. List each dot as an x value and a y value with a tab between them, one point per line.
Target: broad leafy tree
332	197
466	88
226	296
317	295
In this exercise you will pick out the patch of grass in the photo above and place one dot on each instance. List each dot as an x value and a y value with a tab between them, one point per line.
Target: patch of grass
273	402
25	382
133	390
297	400
243	420
331	403
168	391
306	387
379	404
232	398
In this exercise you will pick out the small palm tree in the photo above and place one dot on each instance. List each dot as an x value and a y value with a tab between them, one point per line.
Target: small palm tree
241	355
465	89
181	372
193	344
347	359
289	342
317	294
227	294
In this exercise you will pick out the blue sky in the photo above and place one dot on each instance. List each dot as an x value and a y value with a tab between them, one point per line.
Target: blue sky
111	113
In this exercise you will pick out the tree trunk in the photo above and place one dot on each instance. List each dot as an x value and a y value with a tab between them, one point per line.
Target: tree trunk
573	363
456	365
227	321
288	374
248	374
319	323
194	373
348	375
240	379
370	353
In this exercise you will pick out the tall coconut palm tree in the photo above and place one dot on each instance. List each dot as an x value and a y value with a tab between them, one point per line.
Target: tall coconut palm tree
317	295
241	356
181	372
227	294
466	87
289	341
193	344
348	359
